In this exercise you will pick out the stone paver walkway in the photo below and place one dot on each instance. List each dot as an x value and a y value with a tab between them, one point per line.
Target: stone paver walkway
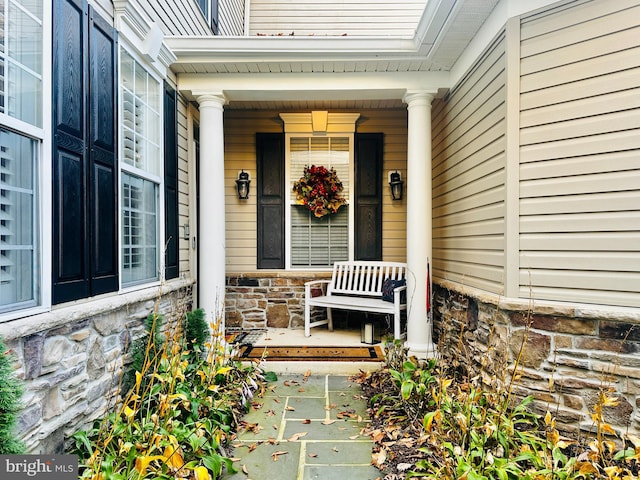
306	428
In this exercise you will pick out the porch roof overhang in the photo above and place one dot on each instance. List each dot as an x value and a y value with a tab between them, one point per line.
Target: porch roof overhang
331	69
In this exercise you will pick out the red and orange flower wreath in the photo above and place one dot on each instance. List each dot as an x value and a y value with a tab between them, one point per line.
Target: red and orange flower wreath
319	190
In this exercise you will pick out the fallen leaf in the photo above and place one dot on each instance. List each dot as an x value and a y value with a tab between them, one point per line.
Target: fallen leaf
353	437
313	455
296	436
291	409
328	422
277	454
307	374
379	458
274	426
306	421
335	449
244	470
301	390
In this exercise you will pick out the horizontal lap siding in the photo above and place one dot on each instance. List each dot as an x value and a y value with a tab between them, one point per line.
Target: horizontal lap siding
469	177
231	17
240	129
580	154
184	18
183	186
331	17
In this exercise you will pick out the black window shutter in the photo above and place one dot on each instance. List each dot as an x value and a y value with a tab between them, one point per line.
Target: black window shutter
270	198
70	249
170	183
84	154
103	173
368	196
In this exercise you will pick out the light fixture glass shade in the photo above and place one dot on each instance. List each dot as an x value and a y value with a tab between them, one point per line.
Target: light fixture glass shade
242	185
397	185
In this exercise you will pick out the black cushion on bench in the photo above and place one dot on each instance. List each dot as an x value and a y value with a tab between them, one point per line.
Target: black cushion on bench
389	285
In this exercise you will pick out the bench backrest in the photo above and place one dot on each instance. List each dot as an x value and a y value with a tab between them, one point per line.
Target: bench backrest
363	278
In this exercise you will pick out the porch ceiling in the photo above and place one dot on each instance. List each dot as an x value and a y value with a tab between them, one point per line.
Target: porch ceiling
443	32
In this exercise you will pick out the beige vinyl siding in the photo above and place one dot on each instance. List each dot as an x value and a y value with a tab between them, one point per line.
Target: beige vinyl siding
580	153
241	127
335	17
177	17
231	17
468	148
183	186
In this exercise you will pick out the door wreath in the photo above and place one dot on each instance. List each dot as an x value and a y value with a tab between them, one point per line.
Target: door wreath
319	190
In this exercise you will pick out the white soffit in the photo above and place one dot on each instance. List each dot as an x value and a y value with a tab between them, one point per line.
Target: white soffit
444	30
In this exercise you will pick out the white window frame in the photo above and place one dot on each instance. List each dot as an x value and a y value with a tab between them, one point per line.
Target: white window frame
43	182
156	178
290	198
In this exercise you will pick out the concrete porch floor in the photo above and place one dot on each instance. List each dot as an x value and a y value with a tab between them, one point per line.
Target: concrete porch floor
320	337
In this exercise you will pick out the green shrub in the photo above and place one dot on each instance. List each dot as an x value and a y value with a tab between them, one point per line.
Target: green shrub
196	329
10	393
145	351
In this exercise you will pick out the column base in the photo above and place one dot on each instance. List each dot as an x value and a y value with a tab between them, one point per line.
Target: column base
422	351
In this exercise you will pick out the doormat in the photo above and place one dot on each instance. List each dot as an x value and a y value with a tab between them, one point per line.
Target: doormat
313	354
245	337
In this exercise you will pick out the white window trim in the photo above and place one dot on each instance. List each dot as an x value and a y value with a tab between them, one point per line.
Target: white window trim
130	169
334	125
44	175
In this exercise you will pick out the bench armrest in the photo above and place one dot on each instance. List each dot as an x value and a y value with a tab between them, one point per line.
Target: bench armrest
397	294
313	285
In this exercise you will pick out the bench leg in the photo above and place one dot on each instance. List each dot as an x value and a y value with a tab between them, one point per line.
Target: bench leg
307	319
330	319
396	326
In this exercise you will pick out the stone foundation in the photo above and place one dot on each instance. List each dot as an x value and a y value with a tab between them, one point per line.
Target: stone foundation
267	299
71	359
567	355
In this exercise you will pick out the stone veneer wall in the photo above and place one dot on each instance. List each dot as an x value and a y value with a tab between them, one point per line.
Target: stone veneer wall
581	350
71	358
267	299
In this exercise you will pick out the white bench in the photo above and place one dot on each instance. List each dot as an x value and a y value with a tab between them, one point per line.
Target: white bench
355	286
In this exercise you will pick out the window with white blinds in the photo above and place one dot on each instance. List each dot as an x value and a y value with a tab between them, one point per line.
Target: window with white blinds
141	120
19	268
139	230
21	104
21	60
141	166
319	242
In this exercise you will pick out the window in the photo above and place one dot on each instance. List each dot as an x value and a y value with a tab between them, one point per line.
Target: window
19	269
141	165
21	121
209	9
21	60
319	242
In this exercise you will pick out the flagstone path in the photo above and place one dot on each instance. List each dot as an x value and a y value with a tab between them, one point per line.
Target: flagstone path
304	428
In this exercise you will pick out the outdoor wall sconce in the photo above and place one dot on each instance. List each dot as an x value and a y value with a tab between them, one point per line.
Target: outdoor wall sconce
186	232
242	185
396	184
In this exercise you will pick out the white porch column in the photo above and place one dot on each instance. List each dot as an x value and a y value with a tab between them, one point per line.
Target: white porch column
419	241
211	233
